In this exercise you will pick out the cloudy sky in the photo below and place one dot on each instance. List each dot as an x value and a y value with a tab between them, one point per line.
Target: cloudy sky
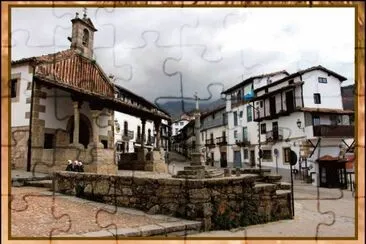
161	52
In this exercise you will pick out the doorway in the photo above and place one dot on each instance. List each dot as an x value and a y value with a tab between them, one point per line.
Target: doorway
290	101
272	106
237	159
275	130
223	160
252	158
85	130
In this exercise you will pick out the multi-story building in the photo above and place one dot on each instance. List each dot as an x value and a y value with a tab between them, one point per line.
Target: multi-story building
213	136
302	112
178	125
63	107
242	130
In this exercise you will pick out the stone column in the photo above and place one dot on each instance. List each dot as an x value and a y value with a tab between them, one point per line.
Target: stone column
143	122
75	140
157	125
95	115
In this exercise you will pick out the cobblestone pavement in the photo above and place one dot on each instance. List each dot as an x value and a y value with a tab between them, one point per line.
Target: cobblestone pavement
306	218
35	218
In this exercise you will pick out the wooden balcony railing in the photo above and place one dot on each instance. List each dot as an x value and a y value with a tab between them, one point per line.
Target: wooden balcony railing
127	135
334	130
242	142
221	140
210	143
274	135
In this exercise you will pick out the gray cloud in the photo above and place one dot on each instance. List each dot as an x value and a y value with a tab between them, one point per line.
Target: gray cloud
218	45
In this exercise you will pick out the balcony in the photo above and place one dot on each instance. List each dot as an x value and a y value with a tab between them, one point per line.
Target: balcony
214	123
139	137
274	135
221	140
127	135
334	130
244	142
210	143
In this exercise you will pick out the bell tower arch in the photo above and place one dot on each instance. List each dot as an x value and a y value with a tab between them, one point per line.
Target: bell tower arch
82	37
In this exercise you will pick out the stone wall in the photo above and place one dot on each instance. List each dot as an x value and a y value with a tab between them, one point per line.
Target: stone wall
220	203
95	160
19	147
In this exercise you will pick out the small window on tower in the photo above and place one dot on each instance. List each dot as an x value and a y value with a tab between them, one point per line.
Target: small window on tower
85	37
14	85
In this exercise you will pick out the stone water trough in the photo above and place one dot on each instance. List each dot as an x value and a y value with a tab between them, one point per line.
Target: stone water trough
218	203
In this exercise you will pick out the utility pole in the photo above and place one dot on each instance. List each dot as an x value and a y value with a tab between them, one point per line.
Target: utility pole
259	142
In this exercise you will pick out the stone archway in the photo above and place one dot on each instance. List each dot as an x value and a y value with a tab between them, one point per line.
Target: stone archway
85	130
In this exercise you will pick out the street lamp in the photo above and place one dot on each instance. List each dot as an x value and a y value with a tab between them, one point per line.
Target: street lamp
298	123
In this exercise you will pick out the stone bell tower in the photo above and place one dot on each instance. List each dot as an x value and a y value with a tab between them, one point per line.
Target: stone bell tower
82	35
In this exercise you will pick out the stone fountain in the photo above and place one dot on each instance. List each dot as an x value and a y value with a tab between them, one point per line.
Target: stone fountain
197	170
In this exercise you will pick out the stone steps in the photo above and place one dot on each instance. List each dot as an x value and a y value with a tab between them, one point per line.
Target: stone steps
39	183
166	229
22	181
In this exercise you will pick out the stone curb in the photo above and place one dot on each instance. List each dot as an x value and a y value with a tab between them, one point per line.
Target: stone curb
179	227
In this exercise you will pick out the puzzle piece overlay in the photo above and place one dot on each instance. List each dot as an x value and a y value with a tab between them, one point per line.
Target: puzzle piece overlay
130	75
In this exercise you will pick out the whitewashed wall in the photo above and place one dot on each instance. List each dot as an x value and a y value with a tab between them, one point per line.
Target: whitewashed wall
59	109
330	92
257	83
176	126
133	122
19	108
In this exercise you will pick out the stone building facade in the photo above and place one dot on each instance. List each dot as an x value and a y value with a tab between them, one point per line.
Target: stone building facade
63	108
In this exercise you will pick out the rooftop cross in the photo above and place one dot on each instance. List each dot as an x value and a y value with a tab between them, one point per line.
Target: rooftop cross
84	10
196	97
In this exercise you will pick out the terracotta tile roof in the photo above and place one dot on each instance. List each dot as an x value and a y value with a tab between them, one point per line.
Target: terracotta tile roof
327	110
327	158
70	70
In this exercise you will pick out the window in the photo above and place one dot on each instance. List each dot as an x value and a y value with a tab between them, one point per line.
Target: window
176	130
48	141
235	134
291	82
261	104
238	96
125	128
105	143
85	37
263	129
149	135
267	155
351	120
235	118
138	132
245	153
213	116
245	133
181	123
286	154
14	86
317	98
269	81
249	114
322	80
241	114
316	120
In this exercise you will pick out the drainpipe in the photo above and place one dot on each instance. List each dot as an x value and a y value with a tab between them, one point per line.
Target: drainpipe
29	152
